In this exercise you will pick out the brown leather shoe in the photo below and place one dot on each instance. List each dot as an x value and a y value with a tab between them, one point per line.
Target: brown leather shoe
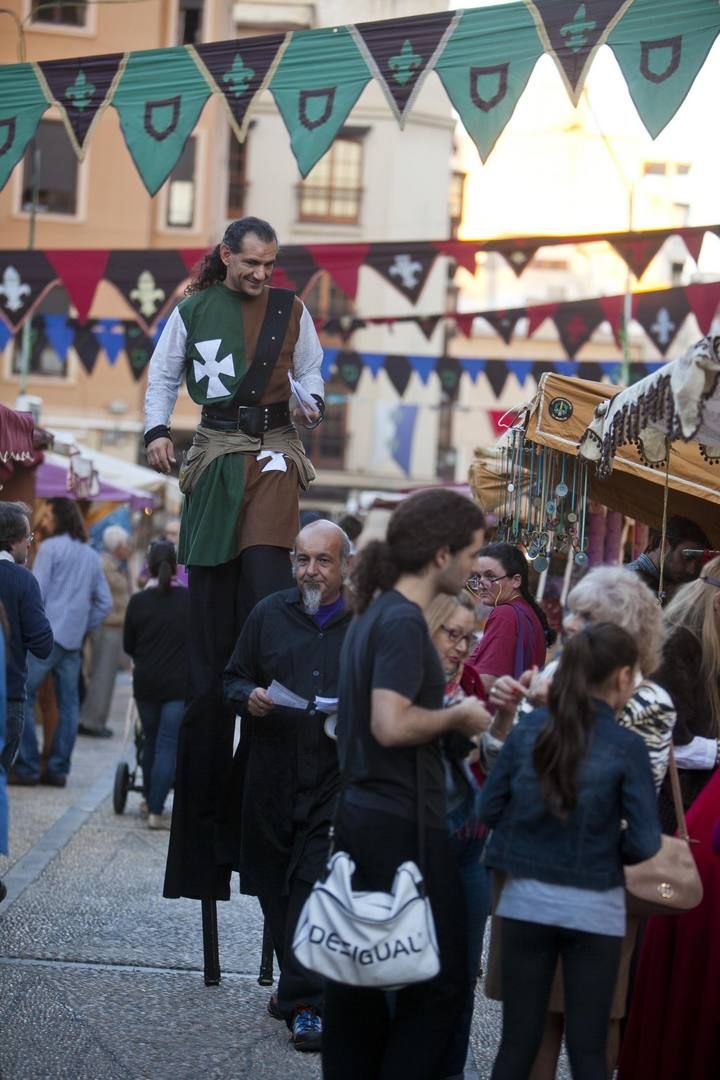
18	780
51	779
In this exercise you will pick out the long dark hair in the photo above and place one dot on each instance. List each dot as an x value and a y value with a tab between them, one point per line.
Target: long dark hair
421	526
211	269
162	563
514	562
588	660
67	519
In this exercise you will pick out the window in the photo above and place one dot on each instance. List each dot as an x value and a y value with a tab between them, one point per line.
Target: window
43	357
51	153
237	177
190	19
181	190
456	202
61	14
332	192
325	445
654	168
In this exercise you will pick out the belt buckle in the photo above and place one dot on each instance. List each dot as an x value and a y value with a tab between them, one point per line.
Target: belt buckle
240	410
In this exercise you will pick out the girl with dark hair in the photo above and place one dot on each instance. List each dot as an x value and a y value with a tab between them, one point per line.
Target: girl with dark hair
517	634
155	636
570	801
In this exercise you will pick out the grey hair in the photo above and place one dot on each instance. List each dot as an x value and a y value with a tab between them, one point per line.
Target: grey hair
347	548
616	595
114	537
12	523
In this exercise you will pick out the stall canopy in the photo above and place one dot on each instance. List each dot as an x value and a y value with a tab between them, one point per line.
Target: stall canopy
52	482
680	401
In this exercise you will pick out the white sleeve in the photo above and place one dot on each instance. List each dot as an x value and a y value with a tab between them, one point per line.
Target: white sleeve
699	753
308	357
165	373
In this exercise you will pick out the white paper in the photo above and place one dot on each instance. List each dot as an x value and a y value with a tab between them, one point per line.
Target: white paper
280	695
307	403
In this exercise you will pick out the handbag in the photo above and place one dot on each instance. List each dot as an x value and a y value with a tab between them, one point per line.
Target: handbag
669	883
374	940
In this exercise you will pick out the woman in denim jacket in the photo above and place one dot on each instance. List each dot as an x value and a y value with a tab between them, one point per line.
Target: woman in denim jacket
571	800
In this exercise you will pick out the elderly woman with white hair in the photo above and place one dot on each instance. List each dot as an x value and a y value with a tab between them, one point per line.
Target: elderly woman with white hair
106	639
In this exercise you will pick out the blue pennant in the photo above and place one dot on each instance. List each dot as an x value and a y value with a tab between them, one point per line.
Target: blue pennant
5	334
329	359
374	362
565	367
520	369
473	368
111	335
59	333
423	366
157	330
610	368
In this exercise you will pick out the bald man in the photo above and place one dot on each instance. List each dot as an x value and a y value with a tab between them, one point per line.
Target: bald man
289	769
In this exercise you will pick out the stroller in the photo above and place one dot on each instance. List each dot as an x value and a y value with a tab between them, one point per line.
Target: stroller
127	778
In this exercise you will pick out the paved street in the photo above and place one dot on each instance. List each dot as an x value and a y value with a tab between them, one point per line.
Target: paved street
101	977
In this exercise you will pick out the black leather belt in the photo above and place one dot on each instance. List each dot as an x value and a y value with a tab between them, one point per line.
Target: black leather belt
250	419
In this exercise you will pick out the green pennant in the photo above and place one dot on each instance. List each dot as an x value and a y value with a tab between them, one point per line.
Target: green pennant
318	80
22	103
159	99
485	68
660	50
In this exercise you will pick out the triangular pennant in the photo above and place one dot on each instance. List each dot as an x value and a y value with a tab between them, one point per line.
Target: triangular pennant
374	362
342	262
703	301
504	322
344	326
240	69
485	67
148	280
328	363
520	369
498	421
423	366
406	266
317	82
398	371
404	418
295	269
22	103
464	323
428	324
661	315
611	369
639	251
111	335
473	368
25	277
401	52
517	253
191	257
449	371
613	308
80	89
80	273
565	367
86	345
537	314
462	252
660	50
573	32
540	368
138	349
349	368
5	335
576	323
496	373
60	333
159	98
693	240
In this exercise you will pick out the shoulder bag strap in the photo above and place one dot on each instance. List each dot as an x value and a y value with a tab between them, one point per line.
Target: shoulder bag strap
267	350
677	797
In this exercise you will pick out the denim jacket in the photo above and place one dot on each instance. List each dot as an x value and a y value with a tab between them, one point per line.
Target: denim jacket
615	820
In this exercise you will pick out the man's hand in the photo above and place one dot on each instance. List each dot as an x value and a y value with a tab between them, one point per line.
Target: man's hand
161	455
472	717
308	421
260	703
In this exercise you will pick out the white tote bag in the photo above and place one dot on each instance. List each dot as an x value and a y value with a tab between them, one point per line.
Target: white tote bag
376	940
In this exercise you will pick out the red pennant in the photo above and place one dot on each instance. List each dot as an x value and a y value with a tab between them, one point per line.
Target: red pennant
192	256
495	416
342	262
639	251
80	273
464	323
703	301
693	239
428	324
613	308
538	314
463	252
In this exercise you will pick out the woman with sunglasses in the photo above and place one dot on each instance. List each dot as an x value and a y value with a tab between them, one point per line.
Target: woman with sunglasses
517	634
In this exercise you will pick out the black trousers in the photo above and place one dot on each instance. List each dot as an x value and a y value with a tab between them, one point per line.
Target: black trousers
296	986
371	1035
590	963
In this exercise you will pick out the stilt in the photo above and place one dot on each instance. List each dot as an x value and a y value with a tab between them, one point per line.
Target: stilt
211	948
265	978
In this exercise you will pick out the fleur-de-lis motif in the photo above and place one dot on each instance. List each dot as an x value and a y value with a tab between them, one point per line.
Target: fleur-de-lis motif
407	269
147	296
404	64
13	288
81	92
577	31
238	77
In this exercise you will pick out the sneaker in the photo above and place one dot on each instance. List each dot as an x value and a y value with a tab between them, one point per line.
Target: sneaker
20	780
143	809
157	821
272	1007
306	1030
52	779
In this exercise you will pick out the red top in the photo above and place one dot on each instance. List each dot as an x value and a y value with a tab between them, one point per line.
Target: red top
497	651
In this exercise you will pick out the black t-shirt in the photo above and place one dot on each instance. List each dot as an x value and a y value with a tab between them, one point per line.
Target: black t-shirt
388	648
156	636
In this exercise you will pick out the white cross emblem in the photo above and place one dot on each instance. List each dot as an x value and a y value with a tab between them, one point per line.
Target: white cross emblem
211	369
407	269
663	326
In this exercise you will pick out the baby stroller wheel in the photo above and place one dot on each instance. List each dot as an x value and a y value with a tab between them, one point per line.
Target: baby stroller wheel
120	788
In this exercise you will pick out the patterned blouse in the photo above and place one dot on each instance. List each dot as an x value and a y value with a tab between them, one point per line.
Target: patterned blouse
651	713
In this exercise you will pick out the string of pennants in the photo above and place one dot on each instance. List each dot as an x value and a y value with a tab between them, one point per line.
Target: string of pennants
483	58
149	280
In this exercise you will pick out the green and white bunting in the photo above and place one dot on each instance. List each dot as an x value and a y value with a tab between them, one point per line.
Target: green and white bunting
318	80
159	99
22	104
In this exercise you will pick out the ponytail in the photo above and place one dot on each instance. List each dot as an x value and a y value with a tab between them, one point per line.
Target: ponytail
587	662
162	563
165	574
209	271
549	633
374	569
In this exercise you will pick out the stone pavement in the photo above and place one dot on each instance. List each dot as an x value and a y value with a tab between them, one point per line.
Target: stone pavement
101	978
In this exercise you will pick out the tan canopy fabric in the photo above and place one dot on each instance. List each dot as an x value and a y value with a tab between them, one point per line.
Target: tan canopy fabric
558	415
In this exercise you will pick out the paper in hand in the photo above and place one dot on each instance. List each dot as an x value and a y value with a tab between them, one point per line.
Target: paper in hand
306	402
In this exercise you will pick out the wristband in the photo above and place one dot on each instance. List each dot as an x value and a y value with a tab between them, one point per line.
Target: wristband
160	431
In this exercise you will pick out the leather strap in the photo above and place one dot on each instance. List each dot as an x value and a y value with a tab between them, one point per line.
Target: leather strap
677	797
272	334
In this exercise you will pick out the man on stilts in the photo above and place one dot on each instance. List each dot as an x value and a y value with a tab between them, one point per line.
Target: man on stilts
235	341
